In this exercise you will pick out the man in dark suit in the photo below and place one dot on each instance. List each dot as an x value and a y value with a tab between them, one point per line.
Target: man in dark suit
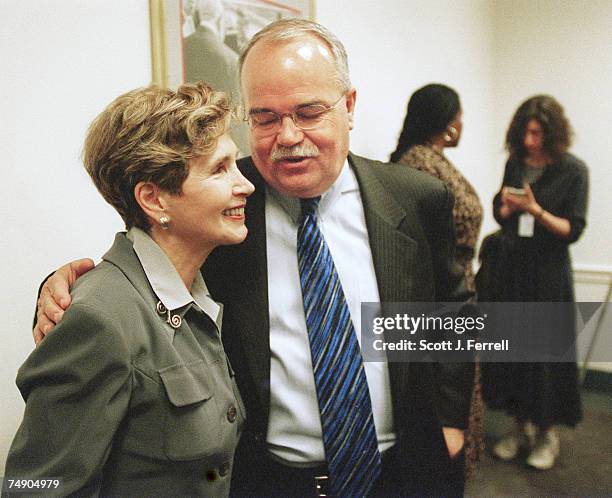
389	232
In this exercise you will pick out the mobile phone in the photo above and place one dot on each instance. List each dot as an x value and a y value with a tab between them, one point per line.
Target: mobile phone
516	191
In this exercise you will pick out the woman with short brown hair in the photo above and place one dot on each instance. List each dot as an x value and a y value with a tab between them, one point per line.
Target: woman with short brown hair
132	394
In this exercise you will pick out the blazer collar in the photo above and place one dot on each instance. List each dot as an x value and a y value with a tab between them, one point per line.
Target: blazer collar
375	196
122	255
166	281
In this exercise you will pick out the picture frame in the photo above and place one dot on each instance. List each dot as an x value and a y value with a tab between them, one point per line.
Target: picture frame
201	40
172	21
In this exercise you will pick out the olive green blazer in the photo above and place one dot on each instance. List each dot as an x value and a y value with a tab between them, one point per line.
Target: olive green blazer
118	403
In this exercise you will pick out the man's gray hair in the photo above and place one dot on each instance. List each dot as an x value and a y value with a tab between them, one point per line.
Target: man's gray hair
290	29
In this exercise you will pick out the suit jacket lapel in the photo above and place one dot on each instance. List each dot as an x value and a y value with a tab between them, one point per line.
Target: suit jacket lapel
393	251
393	254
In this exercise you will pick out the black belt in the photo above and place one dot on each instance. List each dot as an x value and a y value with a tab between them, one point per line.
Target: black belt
297	481
288	480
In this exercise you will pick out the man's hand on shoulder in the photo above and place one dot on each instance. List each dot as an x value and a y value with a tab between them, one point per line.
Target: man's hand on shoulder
54	296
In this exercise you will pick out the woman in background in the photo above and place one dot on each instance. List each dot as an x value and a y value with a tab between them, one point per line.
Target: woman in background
433	122
539	221
132	394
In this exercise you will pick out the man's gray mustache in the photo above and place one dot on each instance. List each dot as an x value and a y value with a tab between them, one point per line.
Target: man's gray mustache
281	152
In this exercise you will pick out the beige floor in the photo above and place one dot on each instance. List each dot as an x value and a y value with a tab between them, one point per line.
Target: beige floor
584	467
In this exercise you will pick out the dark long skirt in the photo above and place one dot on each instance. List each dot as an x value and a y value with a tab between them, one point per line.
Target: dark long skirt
520	271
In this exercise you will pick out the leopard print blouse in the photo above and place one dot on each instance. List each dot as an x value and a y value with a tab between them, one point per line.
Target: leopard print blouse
467	212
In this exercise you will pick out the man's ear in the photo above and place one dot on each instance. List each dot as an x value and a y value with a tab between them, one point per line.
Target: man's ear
351	97
151	199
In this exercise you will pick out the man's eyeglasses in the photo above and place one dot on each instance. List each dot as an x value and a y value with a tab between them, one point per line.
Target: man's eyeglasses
305	117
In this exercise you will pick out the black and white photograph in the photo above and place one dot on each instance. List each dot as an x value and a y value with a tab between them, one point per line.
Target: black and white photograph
201	40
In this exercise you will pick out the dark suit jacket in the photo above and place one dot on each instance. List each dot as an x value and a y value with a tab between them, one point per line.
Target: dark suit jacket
409	222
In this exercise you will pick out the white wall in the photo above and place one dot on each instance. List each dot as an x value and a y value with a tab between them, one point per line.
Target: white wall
564	48
64	60
396	47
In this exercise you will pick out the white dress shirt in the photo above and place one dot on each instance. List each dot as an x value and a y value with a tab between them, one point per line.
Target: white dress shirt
294	429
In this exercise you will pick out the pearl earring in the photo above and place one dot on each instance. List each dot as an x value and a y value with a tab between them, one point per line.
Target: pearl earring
164	222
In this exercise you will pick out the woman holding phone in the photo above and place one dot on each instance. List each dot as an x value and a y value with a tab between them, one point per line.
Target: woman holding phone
541	208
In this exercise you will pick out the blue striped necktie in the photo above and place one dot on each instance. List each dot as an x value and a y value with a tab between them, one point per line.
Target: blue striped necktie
349	436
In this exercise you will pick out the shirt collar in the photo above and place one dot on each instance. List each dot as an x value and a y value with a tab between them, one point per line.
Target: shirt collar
166	281
345	183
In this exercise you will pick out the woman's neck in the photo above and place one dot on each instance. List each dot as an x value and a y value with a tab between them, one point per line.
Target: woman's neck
438	145
186	258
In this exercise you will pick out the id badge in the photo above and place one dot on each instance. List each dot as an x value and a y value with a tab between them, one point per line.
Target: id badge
526	224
